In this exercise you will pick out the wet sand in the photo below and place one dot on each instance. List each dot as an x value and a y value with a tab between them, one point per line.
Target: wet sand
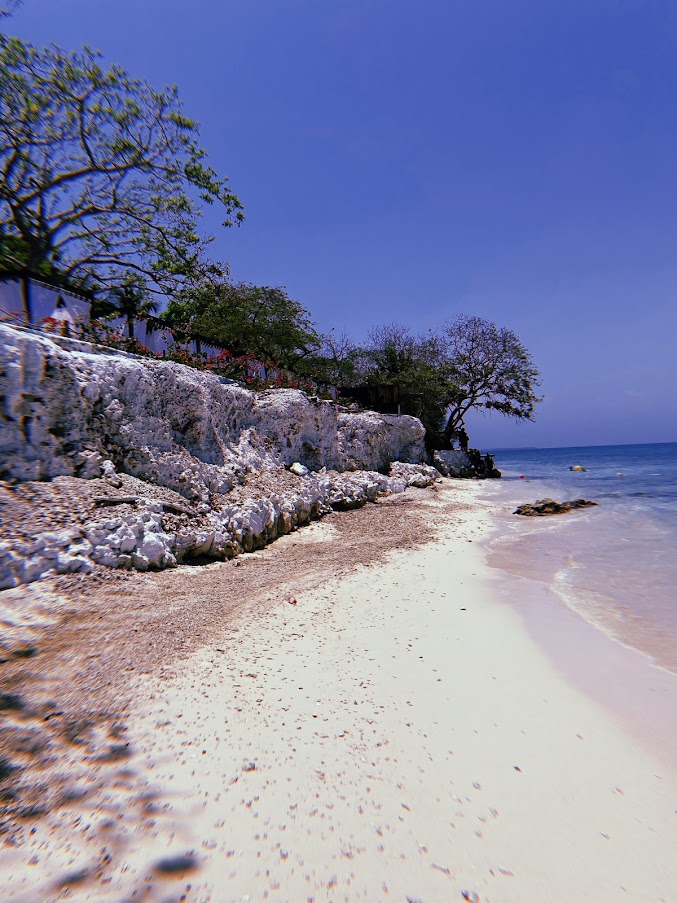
608	653
397	734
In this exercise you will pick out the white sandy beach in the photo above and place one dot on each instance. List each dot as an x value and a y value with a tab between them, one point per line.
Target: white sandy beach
398	734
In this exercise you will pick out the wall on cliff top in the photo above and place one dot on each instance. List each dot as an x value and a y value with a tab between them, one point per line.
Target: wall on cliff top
64	409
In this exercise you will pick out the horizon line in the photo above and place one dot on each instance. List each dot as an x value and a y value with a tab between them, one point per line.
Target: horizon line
598	445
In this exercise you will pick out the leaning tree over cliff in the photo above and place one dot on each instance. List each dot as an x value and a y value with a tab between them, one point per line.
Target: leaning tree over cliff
487	368
101	175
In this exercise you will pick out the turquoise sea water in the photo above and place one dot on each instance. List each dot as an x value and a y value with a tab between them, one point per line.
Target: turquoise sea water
616	564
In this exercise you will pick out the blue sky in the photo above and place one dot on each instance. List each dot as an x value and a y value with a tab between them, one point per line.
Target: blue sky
407	160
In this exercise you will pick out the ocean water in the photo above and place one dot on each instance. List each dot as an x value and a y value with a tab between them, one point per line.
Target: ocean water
615	564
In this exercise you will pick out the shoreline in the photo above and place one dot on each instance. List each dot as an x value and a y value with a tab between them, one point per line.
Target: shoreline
614	565
625	678
399	732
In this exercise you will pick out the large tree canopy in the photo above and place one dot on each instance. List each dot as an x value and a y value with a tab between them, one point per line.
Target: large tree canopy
100	174
487	368
396	357
259	320
469	364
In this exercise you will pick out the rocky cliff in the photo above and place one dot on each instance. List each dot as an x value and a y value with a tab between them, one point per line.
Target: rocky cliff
160	462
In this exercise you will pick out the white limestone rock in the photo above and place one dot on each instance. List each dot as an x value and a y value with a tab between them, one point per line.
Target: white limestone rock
172	425
90	413
154	549
453	462
420	475
59	552
89	464
299	469
301	429
371	441
31	569
10	567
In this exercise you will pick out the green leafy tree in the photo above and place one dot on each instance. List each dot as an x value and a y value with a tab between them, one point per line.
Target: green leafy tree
392	352
15	256
334	362
259	320
470	364
395	357
130	300
487	368
101	175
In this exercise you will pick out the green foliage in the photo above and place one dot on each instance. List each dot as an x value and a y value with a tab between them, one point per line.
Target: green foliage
470	364
392	352
395	357
335	362
487	368
101	176
259	320
15	256
131	299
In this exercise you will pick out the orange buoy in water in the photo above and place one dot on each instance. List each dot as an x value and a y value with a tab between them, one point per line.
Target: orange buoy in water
521	476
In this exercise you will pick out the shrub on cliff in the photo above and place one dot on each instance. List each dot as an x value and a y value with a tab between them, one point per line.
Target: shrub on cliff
250	319
395	357
131	300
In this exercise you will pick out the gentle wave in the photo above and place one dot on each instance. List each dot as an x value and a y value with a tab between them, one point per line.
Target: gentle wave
615	565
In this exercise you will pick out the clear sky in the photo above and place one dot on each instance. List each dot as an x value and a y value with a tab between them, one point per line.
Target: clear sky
407	160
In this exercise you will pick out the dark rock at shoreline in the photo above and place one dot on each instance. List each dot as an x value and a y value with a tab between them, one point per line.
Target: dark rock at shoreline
470	464
543	507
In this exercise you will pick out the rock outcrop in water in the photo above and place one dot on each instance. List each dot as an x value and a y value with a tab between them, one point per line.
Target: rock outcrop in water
544	507
202	464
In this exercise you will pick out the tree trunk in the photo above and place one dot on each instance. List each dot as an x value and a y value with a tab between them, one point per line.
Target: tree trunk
130	326
26	298
452	425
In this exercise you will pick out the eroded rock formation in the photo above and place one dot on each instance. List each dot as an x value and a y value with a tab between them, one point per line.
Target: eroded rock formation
95	423
467	464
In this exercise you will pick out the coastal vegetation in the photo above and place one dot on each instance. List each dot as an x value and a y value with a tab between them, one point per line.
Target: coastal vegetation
260	320
102	185
488	369
470	363
130	299
101	175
